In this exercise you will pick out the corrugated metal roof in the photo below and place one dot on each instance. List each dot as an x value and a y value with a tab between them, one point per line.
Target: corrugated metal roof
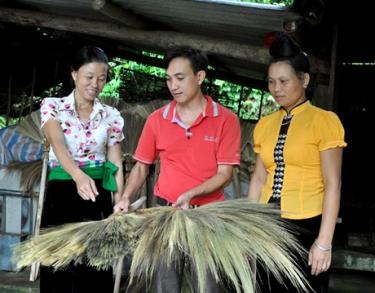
242	23
237	22
75	8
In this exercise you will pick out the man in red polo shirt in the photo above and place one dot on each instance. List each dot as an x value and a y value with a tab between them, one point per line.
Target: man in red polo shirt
197	139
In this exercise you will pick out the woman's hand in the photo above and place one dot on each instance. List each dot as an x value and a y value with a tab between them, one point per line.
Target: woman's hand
319	259
86	187
320	254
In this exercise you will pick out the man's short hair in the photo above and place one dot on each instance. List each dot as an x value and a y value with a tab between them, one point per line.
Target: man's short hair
198	59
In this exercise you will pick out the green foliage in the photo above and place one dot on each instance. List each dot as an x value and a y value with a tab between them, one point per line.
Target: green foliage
139	83
134	82
253	102
248	103
153	55
26	105
3	121
53	91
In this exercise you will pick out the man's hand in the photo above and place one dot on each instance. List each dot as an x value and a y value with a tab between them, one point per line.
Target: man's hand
122	205
183	201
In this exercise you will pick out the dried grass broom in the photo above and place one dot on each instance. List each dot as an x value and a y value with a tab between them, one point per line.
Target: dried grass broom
219	237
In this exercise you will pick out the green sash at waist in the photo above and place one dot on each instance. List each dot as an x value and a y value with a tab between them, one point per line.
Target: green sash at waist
106	172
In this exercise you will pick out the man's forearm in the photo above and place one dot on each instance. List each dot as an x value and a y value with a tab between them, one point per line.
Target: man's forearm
136	179
217	182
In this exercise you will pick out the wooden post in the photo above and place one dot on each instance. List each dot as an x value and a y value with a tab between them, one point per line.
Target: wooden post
237	182
9	99
240	102
31	98
42	187
120	263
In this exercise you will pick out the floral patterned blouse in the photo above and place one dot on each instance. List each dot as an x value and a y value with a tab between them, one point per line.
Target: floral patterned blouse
87	141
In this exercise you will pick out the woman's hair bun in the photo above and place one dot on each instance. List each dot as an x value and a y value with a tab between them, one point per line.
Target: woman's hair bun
284	47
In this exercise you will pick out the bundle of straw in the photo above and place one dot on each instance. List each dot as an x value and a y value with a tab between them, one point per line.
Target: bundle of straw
30	126
30	173
220	237
97	243
135	116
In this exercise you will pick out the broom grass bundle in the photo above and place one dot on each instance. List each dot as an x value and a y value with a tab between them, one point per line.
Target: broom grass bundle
97	243
220	237
30	126
118	237
30	173
135	116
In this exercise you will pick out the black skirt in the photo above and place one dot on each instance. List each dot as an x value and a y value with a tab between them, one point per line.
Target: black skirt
63	205
308	230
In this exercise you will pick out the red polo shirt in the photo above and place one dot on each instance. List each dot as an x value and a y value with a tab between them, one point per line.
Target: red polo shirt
189	155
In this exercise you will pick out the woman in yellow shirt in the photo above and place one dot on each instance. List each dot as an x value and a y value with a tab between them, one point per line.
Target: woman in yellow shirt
298	164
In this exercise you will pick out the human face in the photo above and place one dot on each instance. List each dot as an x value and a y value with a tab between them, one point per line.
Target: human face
287	88
89	80
183	84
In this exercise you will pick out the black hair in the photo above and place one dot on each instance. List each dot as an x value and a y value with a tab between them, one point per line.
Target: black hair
86	55
198	59
284	48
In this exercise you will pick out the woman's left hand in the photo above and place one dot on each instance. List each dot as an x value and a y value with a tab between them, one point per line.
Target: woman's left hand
319	260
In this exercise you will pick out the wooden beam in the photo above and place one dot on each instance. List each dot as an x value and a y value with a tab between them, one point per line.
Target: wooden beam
152	39
353	260
117	13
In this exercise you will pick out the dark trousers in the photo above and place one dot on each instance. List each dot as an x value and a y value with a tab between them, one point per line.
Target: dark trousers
308	231
63	205
169	279
75	279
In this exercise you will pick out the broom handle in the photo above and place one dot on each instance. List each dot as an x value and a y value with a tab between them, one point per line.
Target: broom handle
42	187
134	206
119	266
137	204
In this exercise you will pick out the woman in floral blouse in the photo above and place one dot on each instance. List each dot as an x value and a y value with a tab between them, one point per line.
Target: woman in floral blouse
85	165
